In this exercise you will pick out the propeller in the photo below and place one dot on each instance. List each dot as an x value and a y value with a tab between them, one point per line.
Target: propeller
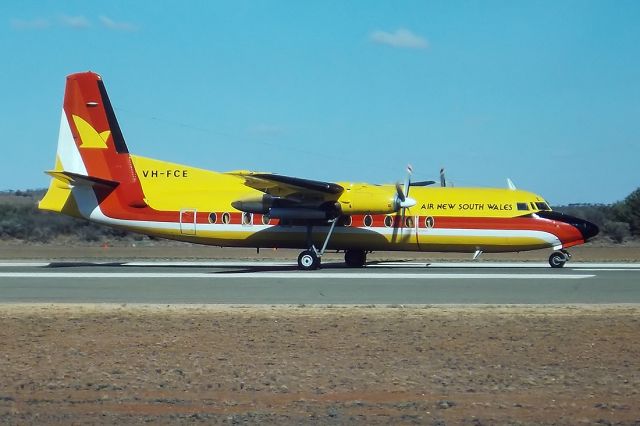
402	199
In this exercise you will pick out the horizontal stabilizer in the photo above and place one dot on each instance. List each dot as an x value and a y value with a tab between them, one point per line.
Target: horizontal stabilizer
76	179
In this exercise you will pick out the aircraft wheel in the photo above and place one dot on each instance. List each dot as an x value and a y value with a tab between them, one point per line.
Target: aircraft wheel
557	259
308	260
355	258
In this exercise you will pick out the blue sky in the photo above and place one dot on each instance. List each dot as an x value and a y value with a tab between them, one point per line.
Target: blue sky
544	92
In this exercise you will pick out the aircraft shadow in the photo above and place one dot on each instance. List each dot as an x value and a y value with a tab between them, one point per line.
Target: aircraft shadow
258	268
228	269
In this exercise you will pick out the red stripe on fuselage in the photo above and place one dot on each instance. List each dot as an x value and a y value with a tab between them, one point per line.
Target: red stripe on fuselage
565	232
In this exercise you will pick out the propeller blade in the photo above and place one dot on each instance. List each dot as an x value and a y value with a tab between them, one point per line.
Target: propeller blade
399	192
402	200
407	180
423	183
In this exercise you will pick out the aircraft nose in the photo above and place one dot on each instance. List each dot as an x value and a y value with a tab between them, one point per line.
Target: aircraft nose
586	228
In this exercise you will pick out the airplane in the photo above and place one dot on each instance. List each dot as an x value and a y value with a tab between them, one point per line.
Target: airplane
96	178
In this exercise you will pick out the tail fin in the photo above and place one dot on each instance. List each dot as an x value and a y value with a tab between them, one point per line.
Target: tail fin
91	147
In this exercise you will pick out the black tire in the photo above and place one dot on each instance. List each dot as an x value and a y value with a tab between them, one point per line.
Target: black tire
355	258
557	259
308	260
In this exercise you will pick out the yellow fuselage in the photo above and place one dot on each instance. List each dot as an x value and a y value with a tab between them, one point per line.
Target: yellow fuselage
197	207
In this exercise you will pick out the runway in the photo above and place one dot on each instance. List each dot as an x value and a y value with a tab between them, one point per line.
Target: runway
253	282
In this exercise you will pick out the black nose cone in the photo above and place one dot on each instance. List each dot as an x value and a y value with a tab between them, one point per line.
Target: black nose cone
587	229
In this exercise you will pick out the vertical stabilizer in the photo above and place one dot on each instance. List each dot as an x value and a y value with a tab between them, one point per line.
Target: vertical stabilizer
91	147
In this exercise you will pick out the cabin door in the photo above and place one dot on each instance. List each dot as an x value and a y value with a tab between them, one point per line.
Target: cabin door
188	221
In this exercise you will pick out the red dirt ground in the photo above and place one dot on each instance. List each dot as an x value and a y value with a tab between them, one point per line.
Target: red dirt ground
104	364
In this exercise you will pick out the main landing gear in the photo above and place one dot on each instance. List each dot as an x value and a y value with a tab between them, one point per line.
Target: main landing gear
309	260
559	258
355	258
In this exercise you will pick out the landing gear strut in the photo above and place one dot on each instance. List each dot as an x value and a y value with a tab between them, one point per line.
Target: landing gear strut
559	258
310	259
355	258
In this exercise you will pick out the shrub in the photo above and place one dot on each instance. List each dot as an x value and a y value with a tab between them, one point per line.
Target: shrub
617	231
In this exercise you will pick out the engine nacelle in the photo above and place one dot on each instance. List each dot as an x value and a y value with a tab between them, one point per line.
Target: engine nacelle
254	204
279	208
298	213
370	200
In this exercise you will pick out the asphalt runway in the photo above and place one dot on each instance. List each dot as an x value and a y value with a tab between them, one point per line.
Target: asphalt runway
280	283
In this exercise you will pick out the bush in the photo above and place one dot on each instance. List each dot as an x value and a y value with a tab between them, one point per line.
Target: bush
25	222
617	231
628	211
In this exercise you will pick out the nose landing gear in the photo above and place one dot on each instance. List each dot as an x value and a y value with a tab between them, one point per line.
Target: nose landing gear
559	258
308	260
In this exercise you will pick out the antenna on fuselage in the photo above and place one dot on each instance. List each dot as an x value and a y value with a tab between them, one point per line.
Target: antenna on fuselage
443	180
511	185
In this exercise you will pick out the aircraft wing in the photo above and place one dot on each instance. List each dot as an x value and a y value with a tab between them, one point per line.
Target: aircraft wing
285	186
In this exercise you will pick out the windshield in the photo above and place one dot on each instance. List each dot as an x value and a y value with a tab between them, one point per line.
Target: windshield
543	206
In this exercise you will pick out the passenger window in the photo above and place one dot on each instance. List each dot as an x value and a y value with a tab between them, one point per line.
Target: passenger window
247	218
388	221
226	218
429	222
368	220
213	218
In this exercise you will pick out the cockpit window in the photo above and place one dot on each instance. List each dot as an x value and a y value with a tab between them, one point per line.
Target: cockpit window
523	206
543	206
